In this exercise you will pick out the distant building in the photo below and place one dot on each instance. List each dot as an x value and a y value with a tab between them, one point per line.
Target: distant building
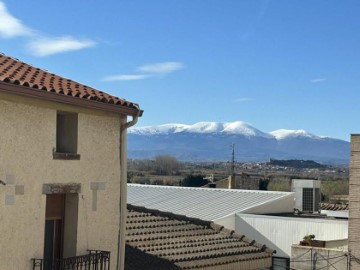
243	180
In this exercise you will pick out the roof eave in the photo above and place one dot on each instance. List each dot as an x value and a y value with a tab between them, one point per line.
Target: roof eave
24	91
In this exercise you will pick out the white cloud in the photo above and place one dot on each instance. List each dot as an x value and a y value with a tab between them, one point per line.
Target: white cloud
318	80
44	46
37	43
11	26
151	70
161	68
132	77
243	99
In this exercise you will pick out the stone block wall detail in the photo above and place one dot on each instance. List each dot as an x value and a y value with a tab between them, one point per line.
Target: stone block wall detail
12	190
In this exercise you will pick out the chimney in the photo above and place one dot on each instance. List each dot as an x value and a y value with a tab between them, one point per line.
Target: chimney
354	202
231	181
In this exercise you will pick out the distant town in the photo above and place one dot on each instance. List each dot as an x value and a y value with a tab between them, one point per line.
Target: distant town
275	175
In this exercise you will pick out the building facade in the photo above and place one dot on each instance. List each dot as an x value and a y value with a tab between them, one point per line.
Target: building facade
60	168
354	202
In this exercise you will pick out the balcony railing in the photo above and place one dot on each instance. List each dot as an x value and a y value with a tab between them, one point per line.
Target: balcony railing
95	260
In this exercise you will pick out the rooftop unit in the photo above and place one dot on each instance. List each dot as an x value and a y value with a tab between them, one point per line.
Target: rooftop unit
307	195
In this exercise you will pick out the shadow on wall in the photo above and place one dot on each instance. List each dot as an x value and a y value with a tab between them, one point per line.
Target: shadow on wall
136	259
242	227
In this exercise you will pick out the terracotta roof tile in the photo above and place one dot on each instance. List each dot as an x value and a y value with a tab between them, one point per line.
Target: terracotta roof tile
334	206
187	243
15	72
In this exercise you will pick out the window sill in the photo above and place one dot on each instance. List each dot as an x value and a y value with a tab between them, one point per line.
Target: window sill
66	156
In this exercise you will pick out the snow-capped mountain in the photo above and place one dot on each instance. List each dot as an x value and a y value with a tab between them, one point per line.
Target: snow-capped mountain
237	127
206	141
281	134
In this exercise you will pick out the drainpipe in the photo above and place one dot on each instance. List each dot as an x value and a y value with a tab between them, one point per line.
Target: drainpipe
120	262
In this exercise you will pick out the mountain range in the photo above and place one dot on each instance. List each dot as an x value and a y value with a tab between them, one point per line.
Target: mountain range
211	141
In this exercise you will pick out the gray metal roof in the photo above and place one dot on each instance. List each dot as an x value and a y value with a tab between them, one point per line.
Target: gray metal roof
204	203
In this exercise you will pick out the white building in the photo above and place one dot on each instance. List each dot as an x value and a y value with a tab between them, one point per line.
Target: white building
256	214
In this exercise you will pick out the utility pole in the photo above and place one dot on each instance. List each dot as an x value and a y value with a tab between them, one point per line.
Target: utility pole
231	183
233	160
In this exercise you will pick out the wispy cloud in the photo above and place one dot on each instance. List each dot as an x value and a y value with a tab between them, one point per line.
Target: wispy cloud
243	99
38	44
132	77
256	19
147	71
318	80
44	46
161	68
10	26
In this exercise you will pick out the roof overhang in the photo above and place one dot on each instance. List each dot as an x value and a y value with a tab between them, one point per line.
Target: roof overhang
13	89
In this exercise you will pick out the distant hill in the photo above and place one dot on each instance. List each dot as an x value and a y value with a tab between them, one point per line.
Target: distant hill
295	163
211	141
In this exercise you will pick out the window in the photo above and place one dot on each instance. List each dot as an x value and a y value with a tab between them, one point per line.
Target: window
280	263
66	136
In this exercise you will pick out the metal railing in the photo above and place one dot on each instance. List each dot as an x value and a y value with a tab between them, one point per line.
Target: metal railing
95	260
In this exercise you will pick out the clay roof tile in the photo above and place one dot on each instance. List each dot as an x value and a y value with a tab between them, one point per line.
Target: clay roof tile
16	72
187	243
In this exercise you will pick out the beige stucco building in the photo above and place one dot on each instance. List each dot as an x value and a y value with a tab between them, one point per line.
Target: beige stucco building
62	169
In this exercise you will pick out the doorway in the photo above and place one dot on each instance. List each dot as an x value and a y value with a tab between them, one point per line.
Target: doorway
61	220
54	229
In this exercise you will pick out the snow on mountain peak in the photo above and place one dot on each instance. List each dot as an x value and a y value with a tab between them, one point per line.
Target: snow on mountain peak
288	133
161	129
206	127
243	128
237	127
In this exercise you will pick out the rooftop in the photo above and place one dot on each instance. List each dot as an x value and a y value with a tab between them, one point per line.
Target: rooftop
203	203
36	82
335	206
160	240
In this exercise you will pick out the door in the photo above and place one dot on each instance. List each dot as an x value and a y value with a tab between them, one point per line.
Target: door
54	229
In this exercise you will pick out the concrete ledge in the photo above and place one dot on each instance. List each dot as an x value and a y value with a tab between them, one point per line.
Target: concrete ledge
61	188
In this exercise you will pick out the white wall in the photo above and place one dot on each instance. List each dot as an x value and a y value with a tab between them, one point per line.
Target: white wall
228	222
304	258
283	205
280	233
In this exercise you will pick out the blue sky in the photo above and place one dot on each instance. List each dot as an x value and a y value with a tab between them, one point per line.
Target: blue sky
272	63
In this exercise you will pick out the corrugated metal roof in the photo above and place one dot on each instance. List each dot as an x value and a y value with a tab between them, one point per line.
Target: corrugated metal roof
204	203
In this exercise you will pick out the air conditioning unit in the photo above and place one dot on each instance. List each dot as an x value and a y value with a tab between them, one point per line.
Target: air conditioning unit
307	194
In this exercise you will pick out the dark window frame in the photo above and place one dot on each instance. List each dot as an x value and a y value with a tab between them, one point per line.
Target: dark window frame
276	260
66	136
